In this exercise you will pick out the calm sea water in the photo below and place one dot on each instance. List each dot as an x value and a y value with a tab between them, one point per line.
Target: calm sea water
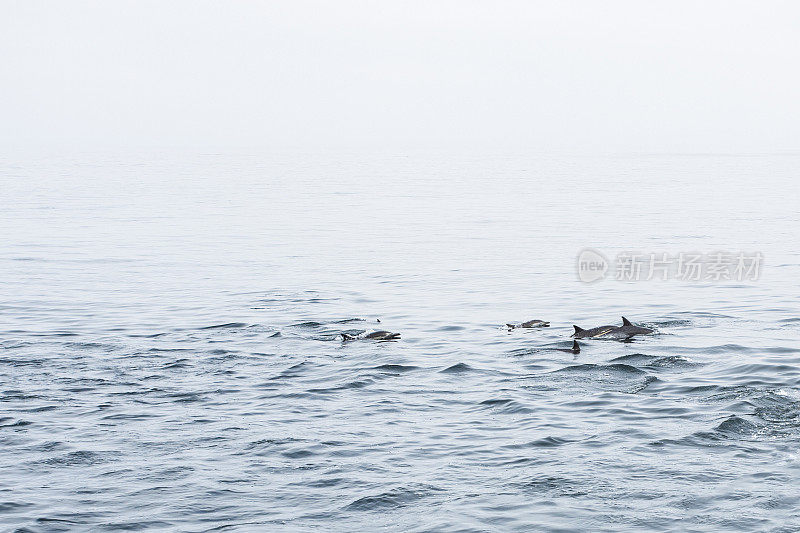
143	387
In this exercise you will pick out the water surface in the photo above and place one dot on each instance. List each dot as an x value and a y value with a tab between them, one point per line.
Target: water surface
169	357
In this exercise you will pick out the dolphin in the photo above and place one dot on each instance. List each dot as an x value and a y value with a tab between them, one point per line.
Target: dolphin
576	348
530	324
631	329
375	335
382	335
599	331
624	332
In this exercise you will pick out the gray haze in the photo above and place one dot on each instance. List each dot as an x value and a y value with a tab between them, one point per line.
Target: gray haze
662	76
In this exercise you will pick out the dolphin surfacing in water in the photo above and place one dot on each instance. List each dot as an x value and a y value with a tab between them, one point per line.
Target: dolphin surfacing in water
592	333
632	329
382	335
375	335
576	348
530	324
626	331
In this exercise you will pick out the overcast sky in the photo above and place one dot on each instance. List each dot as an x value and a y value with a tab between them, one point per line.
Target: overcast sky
562	75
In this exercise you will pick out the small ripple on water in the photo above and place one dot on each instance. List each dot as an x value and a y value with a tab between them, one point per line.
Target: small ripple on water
398	497
657	362
458	368
600	369
228	325
81	458
395	368
505	405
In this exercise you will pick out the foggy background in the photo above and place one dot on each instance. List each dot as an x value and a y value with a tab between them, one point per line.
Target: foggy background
576	76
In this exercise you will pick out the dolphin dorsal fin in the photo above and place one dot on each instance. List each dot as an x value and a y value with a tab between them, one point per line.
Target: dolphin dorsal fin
577	329
576	347
626	322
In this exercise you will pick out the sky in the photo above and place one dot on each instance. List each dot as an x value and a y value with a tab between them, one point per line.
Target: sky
620	76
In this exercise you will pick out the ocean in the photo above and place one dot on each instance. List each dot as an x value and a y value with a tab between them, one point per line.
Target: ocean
171	356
